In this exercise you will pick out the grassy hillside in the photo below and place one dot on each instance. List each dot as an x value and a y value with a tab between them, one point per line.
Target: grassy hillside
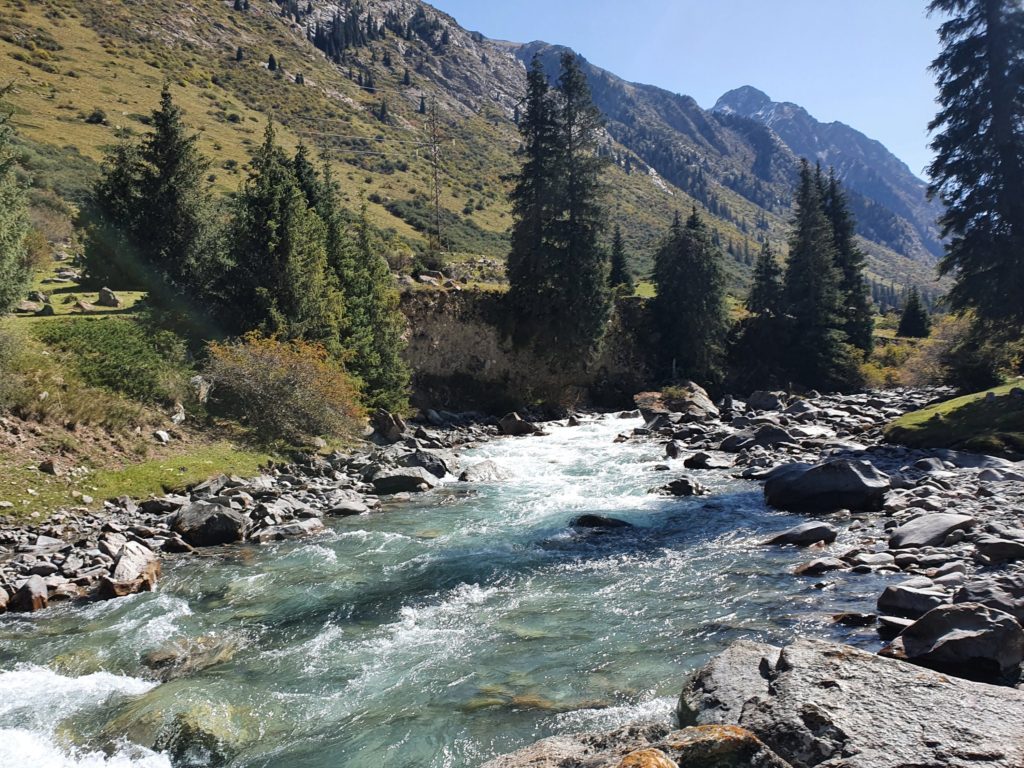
88	72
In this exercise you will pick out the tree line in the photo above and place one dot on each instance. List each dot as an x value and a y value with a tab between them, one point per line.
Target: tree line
281	258
810	324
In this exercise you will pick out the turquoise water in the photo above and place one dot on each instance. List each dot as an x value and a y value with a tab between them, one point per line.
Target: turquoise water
439	632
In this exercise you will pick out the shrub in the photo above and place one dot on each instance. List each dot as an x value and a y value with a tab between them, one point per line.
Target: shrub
123	356
283	390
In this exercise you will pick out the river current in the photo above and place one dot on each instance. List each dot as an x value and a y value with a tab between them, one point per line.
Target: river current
438	632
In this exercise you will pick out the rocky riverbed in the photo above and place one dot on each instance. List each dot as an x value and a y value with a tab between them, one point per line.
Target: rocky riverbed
939	534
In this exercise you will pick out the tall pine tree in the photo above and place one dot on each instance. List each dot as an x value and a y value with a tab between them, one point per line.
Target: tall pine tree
619	276
689	308
280	283
557	269
152	224
757	344
914	322
859	324
14	224
819	355
978	171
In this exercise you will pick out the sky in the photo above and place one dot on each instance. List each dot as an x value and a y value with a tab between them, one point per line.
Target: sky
861	62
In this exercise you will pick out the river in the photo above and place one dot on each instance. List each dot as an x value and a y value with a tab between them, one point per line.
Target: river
437	632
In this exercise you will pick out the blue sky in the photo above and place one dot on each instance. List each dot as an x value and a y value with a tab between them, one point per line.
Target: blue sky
863	62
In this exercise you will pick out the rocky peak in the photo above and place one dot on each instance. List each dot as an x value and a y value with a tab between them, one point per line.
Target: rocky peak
746	101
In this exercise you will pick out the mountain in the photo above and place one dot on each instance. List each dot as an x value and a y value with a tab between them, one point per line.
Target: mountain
891	197
375	87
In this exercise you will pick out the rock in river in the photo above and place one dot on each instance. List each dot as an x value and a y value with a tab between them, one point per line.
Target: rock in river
31	596
806	534
822	704
826	487
485	472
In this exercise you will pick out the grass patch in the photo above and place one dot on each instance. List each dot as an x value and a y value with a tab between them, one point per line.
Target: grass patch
972	422
176	472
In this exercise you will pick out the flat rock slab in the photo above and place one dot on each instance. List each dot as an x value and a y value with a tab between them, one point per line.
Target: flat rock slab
647	745
805	534
929	530
833	706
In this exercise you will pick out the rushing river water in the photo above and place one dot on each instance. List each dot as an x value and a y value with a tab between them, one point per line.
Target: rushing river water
439	632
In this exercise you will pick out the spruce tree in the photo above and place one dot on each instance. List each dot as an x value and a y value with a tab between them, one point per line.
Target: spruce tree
859	324
819	355
14	223
619	276
151	221
689	308
272	63
978	170
558	270
914	322
280	283
758	342
765	297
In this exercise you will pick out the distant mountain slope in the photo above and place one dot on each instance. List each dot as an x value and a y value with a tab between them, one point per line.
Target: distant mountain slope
351	79
892	195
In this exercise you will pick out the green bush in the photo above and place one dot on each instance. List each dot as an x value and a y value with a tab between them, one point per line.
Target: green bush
123	356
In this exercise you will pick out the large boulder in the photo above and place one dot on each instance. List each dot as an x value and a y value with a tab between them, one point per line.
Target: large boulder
1004	593
647	745
929	530
485	472
403	480
137	570
999	550
967	640
767	401
692	401
835	484
203	524
805	534
828	705
388	427
30	596
909	601
431	462
771	435
513	424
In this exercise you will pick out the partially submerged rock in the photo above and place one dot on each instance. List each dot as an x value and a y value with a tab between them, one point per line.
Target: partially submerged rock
403	480
834	706
203	524
805	534
485	472
513	424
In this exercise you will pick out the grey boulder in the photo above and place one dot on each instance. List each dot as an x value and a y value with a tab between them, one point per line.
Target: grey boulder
203	524
968	640
514	425
903	600
805	534
834	706
929	530
403	480
1005	593
826	487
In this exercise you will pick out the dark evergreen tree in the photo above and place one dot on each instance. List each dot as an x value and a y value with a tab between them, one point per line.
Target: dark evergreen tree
978	170
151	222
406	79
558	271
619	274
272	63
280	283
819	355
14	222
914	322
239	54
423	105
859	322
689	308
382	111
765	297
